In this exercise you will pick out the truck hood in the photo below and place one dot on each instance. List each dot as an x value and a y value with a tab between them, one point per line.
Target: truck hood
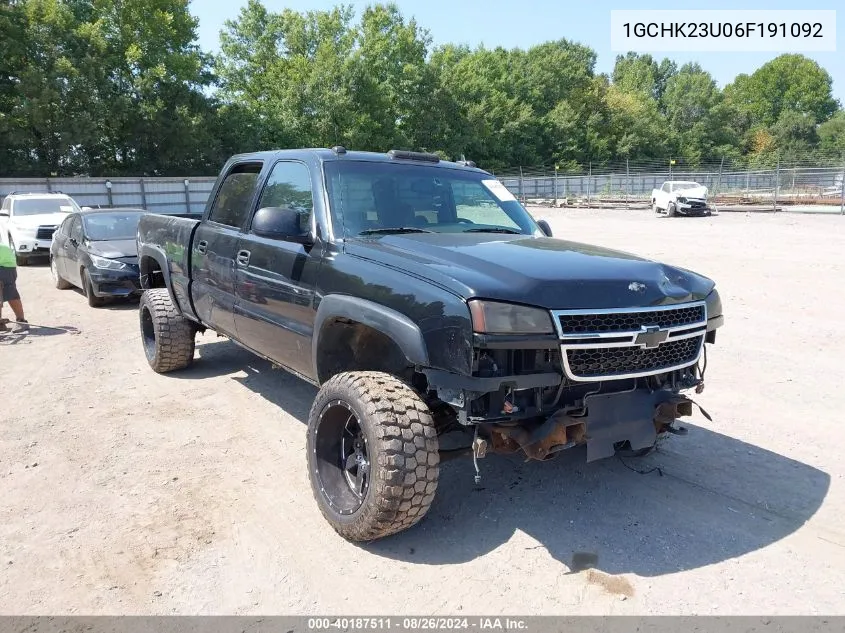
34	221
547	272
692	192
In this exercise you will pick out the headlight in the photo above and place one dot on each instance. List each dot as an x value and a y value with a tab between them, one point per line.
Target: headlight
492	317
714	304
28	231
108	264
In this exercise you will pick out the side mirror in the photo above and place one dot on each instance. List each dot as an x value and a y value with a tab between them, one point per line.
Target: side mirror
278	223
544	226
4	214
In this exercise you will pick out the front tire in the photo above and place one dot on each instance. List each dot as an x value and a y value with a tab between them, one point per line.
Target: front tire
671	210
372	453
60	283
168	337
88	287
20	260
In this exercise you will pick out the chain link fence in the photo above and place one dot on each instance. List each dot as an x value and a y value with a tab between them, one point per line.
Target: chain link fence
812	182
800	183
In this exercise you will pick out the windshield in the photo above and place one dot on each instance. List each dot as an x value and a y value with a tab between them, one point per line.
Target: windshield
40	206
111	226
685	185
375	197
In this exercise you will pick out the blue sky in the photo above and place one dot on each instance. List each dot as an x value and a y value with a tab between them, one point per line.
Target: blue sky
521	24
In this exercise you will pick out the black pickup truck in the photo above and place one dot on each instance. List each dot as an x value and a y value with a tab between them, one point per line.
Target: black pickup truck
422	299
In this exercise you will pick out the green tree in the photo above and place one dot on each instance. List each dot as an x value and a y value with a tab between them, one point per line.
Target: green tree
634	72
832	133
787	83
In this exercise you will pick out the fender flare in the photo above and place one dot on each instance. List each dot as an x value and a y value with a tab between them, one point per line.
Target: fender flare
395	325
157	254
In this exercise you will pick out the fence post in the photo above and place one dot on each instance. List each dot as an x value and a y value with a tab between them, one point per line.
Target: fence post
627	181
555	185
108	190
719	179
49	186
842	191
777	186
143	194
187	196
747	182
590	183
521	190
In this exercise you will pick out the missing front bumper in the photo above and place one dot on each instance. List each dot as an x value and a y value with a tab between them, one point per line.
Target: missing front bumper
635	417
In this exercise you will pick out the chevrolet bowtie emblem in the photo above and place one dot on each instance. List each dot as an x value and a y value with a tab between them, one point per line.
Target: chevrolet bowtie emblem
651	336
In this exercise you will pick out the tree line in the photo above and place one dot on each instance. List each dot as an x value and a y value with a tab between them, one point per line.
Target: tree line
109	87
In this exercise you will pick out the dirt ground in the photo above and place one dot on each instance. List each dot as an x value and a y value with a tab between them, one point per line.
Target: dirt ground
128	492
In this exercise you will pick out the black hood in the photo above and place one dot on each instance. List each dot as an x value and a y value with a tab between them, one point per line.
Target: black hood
114	249
541	271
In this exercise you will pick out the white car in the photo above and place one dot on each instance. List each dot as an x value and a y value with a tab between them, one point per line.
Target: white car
680	197
28	220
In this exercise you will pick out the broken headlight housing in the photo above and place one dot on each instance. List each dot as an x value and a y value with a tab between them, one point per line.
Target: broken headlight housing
494	317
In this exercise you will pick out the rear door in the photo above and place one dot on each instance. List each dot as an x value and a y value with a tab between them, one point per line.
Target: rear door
215	244
276	278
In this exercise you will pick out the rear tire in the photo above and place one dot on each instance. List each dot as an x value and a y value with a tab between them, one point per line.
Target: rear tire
671	210
93	300
372	454
655	208
168	337
60	283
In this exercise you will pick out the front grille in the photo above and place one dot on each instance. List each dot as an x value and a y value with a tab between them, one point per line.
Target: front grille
587	363
45	232
697	204
630	321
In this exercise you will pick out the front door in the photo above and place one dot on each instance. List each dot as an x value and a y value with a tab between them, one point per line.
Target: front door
276	278
215	244
71	266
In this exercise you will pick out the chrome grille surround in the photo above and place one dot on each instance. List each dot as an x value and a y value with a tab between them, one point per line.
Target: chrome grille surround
635	350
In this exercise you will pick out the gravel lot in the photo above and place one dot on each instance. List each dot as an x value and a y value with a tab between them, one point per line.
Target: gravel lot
128	492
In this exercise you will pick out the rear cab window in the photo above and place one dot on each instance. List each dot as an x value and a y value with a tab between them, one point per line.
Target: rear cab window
232	205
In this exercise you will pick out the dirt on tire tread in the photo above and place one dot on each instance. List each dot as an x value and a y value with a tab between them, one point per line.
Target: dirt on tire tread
404	479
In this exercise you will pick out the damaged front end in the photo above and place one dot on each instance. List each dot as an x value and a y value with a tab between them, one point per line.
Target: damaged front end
610	380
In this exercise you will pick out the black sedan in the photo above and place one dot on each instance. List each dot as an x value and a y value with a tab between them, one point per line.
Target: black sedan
95	250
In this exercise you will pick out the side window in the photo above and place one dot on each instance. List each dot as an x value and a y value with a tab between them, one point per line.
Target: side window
289	187
231	207
76	228
64	227
7	204
667	187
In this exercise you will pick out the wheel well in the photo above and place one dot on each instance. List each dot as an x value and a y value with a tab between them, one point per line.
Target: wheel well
151	274
346	345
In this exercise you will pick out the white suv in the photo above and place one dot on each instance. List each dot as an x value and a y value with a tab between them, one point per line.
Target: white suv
28	220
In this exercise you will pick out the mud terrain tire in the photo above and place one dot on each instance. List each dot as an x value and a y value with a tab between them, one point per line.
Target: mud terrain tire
372	453
168	337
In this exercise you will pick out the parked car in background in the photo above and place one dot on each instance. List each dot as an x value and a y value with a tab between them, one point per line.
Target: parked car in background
95	250
28	220
677	197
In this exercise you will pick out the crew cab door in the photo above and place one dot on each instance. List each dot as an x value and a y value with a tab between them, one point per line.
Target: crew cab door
276	276
215	243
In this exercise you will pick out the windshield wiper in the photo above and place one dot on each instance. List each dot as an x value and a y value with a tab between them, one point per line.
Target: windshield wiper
396	229
494	230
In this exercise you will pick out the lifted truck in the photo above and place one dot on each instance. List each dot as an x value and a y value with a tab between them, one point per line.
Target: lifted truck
423	299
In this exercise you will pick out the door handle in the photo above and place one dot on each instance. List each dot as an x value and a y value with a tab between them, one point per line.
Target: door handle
243	258
202	247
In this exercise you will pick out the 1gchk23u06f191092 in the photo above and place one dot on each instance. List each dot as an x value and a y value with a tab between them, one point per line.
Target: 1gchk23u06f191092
423	299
